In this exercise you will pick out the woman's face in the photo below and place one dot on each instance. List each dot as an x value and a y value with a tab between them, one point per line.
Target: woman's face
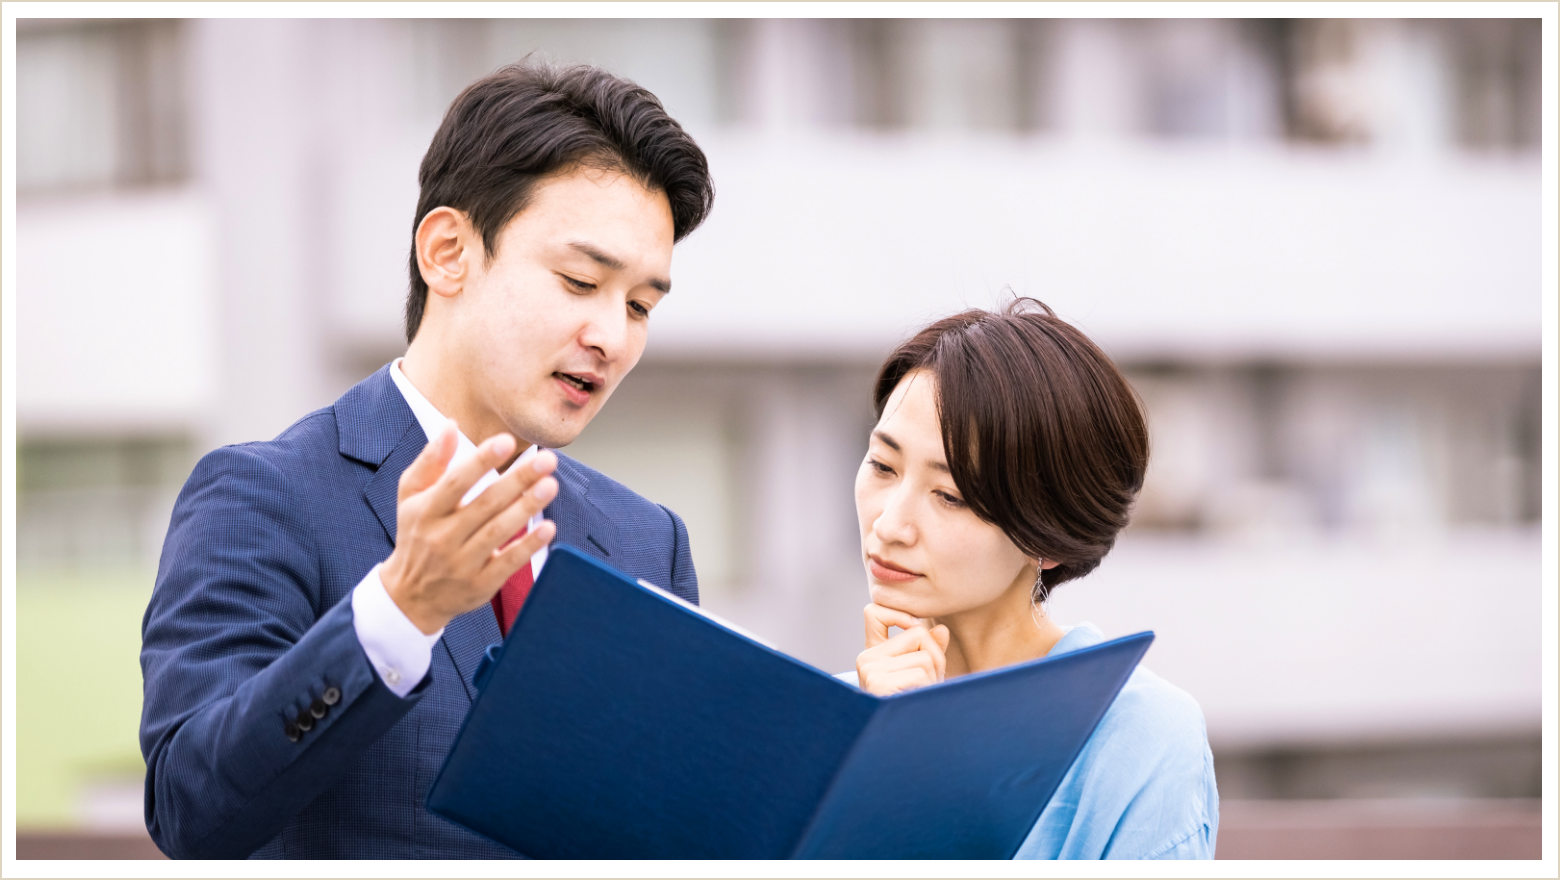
925	551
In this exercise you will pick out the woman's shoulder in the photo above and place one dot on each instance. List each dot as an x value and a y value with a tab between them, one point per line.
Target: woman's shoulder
1143	785
1148	711
1153	705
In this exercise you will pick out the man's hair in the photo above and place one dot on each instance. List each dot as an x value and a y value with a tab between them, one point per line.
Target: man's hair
1044	436
527	120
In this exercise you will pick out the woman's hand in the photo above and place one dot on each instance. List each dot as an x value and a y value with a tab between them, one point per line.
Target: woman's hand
914	658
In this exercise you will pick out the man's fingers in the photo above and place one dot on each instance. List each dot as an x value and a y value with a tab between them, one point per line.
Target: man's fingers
879	618
507	561
520	478
429	464
446	494
505	524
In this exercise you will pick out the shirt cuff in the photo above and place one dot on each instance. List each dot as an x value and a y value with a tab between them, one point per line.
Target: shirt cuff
399	651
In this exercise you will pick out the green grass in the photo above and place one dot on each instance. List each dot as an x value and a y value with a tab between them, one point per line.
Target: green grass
78	686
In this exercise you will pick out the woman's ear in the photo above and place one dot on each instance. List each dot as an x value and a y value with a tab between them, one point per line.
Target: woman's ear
443	240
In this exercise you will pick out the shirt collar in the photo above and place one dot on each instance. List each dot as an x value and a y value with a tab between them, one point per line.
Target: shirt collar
1080	636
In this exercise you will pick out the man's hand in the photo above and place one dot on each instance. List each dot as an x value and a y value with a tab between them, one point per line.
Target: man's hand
912	659
450	559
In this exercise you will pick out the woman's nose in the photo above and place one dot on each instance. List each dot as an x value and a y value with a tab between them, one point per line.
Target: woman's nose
896	523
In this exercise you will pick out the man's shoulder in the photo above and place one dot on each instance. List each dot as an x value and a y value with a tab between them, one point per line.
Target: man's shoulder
361	427
607	494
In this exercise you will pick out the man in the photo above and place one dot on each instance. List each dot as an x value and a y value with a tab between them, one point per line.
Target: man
324	597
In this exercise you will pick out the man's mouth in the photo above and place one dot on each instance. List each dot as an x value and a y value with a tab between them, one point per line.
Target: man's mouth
577	387
584	384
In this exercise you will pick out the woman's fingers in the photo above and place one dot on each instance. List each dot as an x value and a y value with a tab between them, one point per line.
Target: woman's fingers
886	682
942	635
879	618
916	638
918	660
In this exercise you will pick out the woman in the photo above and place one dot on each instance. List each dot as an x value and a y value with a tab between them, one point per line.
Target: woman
1007	453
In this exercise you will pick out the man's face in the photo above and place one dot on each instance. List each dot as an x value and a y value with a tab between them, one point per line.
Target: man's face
547	330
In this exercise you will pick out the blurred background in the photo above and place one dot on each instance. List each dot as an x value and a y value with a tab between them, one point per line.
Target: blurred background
1313	244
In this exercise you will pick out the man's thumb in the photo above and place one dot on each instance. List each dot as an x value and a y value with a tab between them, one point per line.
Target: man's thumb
431	463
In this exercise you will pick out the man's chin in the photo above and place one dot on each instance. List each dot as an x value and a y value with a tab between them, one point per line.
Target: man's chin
559	431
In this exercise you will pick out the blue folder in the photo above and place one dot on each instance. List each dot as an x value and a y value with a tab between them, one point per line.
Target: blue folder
619	722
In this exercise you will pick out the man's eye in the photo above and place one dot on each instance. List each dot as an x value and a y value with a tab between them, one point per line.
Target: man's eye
639	309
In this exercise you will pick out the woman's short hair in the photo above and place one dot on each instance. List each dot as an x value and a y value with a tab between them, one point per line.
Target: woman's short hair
527	120
1044	436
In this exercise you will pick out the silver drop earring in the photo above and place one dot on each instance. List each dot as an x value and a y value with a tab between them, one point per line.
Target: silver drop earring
1035	610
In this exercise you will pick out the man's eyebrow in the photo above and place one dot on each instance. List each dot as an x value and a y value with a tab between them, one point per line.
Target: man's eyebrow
615	264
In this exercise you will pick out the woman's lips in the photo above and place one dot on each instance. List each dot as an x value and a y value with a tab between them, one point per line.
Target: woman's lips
889	573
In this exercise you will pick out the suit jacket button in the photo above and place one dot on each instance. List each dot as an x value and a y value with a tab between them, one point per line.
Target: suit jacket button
331	696
318	708
305	721
292	731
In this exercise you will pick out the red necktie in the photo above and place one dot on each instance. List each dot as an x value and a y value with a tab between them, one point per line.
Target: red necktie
506	604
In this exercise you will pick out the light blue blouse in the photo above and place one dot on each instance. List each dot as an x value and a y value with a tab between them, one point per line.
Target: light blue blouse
1143	786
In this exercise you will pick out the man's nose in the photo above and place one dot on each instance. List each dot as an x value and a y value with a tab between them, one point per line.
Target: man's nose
606	331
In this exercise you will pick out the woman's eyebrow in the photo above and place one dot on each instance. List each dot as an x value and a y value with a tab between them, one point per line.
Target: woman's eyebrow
891	443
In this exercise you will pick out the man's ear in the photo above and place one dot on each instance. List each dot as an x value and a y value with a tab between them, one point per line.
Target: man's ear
445	239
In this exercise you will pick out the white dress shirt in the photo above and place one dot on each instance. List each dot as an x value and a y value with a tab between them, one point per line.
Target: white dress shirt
397	649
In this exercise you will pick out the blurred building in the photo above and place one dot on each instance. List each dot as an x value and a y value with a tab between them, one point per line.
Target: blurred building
1314	245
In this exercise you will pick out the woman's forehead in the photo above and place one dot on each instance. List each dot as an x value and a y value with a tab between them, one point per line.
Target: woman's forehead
909	423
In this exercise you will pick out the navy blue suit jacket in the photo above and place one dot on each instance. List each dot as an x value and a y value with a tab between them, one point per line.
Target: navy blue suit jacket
251	622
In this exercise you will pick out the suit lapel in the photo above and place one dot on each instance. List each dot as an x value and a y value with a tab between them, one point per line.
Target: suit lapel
466	639
581	524
383	489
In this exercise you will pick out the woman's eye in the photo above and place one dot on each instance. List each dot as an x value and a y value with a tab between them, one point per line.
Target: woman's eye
879	467
950	500
577	284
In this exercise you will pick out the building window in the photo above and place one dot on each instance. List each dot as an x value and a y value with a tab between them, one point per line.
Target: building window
99	104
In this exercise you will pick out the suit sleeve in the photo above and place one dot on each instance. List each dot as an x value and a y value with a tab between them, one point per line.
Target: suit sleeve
685	581
234	649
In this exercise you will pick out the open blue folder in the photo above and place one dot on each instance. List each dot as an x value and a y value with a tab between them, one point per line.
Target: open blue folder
619	722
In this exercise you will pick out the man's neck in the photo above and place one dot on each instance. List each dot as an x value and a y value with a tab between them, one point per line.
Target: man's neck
434	376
